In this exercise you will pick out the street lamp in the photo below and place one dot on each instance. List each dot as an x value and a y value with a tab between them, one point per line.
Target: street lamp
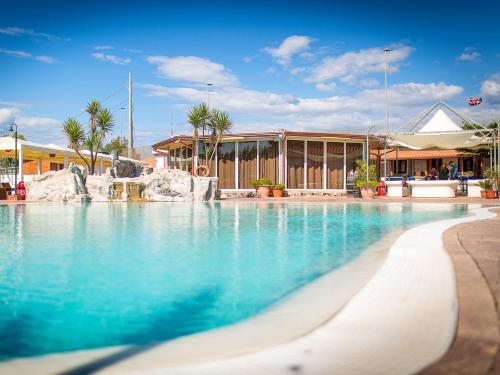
208	94
15	153
121	124
386	51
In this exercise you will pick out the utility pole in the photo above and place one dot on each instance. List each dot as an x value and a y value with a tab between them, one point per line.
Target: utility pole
386	51
130	120
208	95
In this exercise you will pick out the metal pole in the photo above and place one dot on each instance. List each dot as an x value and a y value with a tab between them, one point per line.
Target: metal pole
16	161
386	50
130	120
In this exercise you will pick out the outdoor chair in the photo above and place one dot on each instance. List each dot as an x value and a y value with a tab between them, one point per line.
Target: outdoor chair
3	194
7	187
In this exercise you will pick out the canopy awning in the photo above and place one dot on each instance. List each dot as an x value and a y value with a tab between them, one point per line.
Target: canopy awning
440	132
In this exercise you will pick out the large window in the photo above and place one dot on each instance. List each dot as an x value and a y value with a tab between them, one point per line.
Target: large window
295	164
354	151
315	165
171	159
247	160
335	165
226	165
268	160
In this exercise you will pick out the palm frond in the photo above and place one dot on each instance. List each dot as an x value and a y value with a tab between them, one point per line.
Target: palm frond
105	121
73	130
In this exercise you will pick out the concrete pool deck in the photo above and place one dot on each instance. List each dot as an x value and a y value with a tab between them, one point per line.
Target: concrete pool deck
475	252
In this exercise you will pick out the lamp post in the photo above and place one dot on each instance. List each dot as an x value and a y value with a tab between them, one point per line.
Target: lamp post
208	94
386	51
121	124
15	153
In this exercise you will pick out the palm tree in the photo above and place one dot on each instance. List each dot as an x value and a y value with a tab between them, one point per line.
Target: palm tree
93	108
198	118
101	123
220	124
74	132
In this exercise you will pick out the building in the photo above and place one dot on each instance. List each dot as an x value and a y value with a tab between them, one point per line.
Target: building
309	161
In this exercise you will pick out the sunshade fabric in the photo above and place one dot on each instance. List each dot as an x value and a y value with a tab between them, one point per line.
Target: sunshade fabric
446	141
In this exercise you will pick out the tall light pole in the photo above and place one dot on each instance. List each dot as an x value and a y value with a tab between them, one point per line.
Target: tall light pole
15	153
130	120
368	153
386	51
121	124
208	94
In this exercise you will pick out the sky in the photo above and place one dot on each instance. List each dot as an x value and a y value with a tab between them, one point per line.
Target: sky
309	65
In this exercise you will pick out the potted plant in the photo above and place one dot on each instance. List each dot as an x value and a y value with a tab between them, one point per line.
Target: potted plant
489	185
278	190
366	179
262	187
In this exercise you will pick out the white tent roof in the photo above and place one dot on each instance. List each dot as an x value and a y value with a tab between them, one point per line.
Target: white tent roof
440	122
439	132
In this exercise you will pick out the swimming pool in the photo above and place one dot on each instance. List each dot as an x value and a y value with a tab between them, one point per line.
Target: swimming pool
88	276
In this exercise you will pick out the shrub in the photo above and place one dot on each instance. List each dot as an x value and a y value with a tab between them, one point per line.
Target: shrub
279	187
361	180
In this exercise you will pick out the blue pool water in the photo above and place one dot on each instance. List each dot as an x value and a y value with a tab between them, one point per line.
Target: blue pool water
89	276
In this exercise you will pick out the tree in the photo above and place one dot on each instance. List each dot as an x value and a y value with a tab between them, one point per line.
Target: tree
101	123
213	123
117	144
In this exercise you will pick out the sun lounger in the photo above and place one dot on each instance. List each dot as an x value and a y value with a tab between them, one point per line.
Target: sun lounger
434	189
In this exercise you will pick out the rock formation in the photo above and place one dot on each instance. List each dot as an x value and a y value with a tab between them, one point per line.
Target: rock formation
162	185
129	169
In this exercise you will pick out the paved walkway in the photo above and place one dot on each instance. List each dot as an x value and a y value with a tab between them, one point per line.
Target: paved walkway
475	251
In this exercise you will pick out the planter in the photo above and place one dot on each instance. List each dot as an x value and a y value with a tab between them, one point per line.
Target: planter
483	194
490	194
278	193
367	193
264	191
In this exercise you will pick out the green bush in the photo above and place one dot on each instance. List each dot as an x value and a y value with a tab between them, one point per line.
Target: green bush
261	182
279	187
361	181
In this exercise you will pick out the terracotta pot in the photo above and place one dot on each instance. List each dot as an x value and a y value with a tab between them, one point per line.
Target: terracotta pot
483	194
278	193
264	191
367	193
490	194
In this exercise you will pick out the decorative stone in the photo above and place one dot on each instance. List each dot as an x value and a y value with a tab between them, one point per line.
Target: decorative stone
129	169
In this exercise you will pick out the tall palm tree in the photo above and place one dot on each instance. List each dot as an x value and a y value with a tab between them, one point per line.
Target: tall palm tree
220	124
198	118
74	132
93	108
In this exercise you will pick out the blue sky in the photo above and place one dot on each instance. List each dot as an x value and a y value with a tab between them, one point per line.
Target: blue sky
297	65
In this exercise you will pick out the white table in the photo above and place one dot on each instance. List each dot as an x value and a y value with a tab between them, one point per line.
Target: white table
433	189
473	188
396	189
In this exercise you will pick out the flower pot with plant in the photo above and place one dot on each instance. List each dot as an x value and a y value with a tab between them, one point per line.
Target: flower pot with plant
262	187
278	190
366	179
490	184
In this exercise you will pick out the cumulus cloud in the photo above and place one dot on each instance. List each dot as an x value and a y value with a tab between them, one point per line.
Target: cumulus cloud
469	54
332	86
17	31
330	113
193	69
357	63
369	83
46	59
490	89
34	128
289	47
111	58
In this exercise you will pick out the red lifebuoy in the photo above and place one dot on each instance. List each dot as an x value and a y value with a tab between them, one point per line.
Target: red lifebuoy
204	168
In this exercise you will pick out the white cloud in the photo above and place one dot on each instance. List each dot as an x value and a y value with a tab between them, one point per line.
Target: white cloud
335	112
46	59
290	46
193	69
34	128
369	83
103	47
111	58
469	54
16	31
490	89
15	53
356	63
332	86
